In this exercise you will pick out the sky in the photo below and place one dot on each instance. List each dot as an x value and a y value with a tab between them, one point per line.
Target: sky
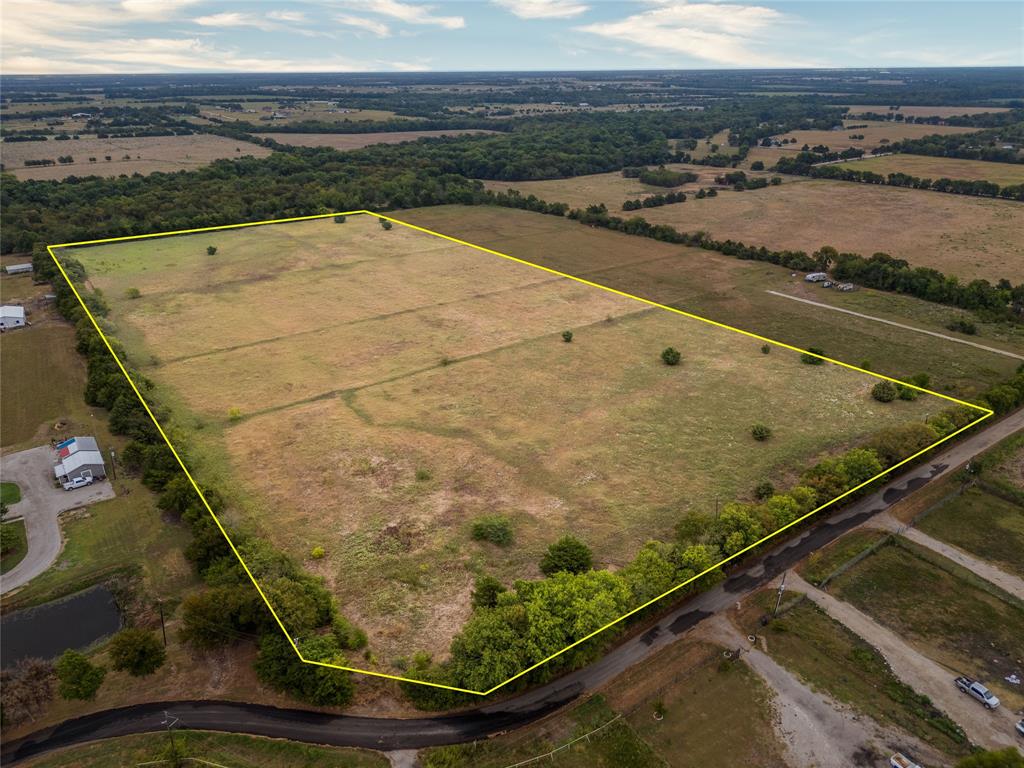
122	36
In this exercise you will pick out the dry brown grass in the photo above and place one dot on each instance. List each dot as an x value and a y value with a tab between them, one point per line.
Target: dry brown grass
873	134
345	141
147	155
925	111
942	167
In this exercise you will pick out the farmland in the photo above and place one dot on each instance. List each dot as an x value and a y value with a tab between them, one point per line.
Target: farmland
941	167
876	134
346	141
922	111
126	155
397	417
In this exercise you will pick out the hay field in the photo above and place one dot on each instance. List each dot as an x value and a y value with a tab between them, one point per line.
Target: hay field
380	416
874	134
942	167
145	155
923	111
346	141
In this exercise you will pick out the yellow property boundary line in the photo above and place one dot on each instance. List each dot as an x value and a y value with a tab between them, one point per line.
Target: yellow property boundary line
52	251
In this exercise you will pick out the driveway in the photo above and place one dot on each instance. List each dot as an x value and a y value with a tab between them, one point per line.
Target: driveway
40	507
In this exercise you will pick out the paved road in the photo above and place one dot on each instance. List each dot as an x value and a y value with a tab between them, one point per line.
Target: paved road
1014	355
40	506
387	734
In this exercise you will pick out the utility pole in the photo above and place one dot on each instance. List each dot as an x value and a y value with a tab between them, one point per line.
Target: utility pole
113	465
170	721
782	588
163	629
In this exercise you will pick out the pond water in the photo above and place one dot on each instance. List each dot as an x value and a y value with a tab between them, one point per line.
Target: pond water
46	631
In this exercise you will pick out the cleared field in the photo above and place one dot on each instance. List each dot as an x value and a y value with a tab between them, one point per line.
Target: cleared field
288	112
975	633
127	155
345	141
612	189
875	134
985	525
922	111
418	384
942	167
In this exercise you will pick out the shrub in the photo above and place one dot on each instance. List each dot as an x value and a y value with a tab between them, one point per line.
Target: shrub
211	250
810	357
486	591
339	219
568	554
884	392
757	165
317	552
26	689
761	432
385	224
132	293
493	528
234	414
670	356
764	490
137	652
765	349
566	336
963	325
77	677
423	475
279	667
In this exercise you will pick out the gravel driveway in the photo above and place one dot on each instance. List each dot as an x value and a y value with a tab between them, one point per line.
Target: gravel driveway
40	506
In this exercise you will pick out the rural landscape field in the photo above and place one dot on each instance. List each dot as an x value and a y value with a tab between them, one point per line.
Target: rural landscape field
657	403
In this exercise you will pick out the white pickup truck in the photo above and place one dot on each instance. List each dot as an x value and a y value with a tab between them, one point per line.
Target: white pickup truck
978	691
899	760
78	482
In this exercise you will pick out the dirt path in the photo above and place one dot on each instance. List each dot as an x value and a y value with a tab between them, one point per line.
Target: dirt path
905	327
991	730
1008	582
817	731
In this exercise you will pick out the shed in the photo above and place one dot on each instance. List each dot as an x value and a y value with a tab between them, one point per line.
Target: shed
11	317
816	277
19	269
79	457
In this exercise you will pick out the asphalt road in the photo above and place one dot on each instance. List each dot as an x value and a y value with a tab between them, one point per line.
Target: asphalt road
393	734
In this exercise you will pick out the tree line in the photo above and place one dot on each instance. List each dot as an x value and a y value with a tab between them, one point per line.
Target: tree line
983	145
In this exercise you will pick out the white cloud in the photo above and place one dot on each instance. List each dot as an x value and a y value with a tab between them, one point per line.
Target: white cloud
409	66
722	33
543	9
377	28
410	13
232	19
293	17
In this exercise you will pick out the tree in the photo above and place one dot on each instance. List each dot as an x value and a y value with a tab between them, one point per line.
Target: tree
670	356
566	336
136	651
884	392
811	356
25	690
486	591
568	554
78	678
211	250
496	529
765	349
764	490
1003	758
757	165
279	667
339	219
385	224
761	432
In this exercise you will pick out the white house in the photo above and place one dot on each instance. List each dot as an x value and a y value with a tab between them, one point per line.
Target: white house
11	317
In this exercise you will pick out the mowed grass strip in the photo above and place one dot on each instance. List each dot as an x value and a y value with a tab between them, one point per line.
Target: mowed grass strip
973	633
983	524
941	168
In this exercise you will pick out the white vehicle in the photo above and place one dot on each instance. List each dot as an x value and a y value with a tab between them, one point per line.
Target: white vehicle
1020	727
78	482
899	760
816	277
978	691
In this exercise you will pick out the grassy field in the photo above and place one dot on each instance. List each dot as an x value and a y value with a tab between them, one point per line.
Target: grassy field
414	406
344	141
10	493
982	524
731	290
875	134
829	657
975	633
823	563
16	553
721	139
288	112
143	155
942	167
922	111
613	189
227	749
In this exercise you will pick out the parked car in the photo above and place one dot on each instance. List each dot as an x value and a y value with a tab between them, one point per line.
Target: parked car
78	482
1020	727
899	760
978	691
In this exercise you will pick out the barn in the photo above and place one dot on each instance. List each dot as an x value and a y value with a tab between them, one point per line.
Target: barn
11	317
79	457
19	269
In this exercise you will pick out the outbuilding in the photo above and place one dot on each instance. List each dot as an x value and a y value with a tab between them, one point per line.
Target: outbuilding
79	457
11	317
19	269
816	277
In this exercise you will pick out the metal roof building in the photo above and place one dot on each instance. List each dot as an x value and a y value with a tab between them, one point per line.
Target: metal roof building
79	457
12	317
19	269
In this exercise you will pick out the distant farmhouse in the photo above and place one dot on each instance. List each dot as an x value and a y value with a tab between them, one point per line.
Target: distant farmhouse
19	269
79	457
11	317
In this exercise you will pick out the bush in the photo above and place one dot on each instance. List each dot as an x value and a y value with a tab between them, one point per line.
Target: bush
339	219
26	689
810	357
423	475
132	293
761	432
493	528
568	554
77	677
486	591
757	165
1004	758
385	224
317	553
566	336
963	325
137	652
884	392
765	349
670	356
279	667
234	414
764	490
211	250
